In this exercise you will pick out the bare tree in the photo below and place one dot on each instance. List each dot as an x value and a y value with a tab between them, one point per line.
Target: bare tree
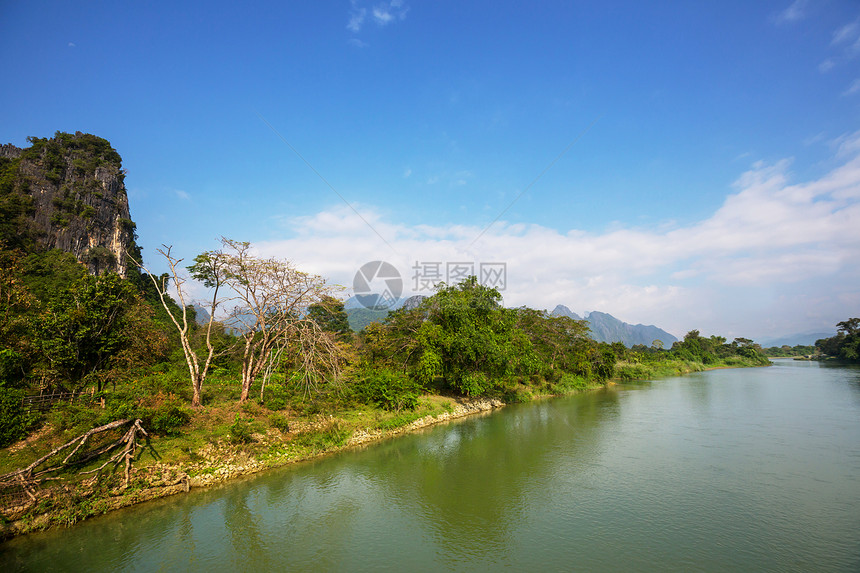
180	317
271	299
318	355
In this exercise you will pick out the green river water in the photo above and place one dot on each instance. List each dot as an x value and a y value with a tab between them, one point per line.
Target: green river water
730	470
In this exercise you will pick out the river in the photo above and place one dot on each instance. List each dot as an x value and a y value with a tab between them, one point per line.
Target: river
748	469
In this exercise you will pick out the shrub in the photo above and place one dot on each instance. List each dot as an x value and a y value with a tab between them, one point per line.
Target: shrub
76	416
570	382
167	419
387	389
628	372
280	422
15	421
12	368
334	435
276	397
163	414
241	430
472	384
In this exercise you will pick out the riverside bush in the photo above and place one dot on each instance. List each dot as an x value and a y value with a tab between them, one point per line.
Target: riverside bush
15	421
335	435
167	419
280	422
388	390
241	430
569	382
276	397
627	372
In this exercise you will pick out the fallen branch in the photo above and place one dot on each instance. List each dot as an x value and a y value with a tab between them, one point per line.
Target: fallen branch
29	477
127	453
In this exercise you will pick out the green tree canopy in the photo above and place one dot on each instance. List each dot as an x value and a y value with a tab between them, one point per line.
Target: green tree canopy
82	329
330	315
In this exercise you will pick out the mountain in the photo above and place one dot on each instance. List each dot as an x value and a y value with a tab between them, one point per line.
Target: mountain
67	193
201	316
607	328
805	339
413	302
562	310
360	317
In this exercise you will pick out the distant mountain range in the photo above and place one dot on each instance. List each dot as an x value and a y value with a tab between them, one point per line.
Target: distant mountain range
607	328
805	339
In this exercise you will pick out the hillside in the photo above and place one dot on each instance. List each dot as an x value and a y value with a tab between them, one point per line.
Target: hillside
67	193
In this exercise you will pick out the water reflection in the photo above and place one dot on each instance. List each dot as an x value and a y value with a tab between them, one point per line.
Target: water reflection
468	483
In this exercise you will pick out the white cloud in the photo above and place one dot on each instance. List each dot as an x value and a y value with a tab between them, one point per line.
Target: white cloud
383	13
847	33
776	257
794	13
853	88
356	17
182	194
846	41
406	173
72	44
826	66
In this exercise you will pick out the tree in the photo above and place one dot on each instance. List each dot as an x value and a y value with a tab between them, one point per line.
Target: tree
330	315
15	324
558	342
271	301
849	327
209	271
468	339
846	343
82	329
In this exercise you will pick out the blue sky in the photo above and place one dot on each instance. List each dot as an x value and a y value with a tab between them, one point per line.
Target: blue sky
713	181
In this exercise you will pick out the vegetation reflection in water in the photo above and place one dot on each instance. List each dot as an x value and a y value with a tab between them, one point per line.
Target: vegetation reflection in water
755	469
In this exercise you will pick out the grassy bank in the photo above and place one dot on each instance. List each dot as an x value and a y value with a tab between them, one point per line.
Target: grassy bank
221	440
632	371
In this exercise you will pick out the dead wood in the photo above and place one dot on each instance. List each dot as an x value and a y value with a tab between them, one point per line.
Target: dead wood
33	474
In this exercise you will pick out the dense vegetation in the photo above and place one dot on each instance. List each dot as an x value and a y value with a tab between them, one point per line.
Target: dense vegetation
845	345
787	351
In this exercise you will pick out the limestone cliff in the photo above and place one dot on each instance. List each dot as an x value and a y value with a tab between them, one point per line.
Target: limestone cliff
67	193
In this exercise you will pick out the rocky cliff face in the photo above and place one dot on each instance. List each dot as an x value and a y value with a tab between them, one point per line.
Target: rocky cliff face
68	193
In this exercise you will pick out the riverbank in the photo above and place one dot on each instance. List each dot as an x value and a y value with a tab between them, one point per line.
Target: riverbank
218	462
